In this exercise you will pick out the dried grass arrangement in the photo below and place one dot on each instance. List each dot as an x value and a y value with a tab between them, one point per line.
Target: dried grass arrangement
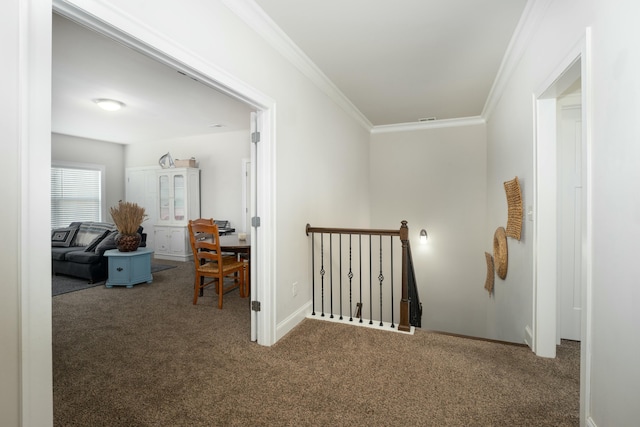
128	217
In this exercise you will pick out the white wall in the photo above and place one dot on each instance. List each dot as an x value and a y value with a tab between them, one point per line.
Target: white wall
612	372
81	150
25	123
435	179
219	157
10	214
616	213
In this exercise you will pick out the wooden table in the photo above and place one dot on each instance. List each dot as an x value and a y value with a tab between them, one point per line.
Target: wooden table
231	243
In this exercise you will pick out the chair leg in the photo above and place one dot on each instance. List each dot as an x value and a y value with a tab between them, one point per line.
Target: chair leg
247	282
242	282
196	288
220	288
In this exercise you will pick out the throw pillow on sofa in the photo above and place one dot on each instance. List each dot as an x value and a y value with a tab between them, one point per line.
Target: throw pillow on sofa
91	247
109	242
63	237
88	231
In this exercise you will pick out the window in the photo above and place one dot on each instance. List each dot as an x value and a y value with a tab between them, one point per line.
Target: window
76	193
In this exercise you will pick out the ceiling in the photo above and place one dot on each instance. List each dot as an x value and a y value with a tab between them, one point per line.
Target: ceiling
397	61
160	103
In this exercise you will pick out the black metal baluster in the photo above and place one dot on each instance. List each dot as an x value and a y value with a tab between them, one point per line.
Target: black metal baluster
322	270
313	275
381	279
370	282
391	246
360	251
331	273
340	242
350	280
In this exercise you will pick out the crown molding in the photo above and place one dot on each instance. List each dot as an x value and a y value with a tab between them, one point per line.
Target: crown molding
253	15
435	124
529	22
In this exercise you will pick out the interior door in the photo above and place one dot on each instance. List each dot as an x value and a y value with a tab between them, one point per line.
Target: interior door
253	204
570	221
247	176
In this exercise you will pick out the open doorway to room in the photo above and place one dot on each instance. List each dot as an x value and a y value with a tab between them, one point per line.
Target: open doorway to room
561	210
262	324
562	230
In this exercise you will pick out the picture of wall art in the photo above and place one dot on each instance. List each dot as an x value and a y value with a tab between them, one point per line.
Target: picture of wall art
488	284
514	204
500	255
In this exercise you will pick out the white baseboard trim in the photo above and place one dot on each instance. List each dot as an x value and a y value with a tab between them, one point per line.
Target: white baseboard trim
528	337
590	423
386	326
284	327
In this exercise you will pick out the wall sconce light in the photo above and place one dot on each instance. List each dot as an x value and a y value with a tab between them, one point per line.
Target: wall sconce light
423	236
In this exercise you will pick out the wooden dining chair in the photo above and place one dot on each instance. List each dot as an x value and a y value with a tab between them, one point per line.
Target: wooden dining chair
202	221
210	264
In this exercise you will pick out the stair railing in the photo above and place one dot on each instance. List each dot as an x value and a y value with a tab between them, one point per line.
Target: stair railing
332	286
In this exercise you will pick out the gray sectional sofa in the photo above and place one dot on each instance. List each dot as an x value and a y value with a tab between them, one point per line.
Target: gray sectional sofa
78	250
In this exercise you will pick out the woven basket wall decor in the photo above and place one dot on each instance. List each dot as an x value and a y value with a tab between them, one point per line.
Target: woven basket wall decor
514	204
500	256
488	283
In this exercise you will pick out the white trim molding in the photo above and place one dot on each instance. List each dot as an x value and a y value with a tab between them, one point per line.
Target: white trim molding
529	22
432	124
261	23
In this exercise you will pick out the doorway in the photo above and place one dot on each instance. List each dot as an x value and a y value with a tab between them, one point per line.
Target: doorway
121	29
571	213
575	68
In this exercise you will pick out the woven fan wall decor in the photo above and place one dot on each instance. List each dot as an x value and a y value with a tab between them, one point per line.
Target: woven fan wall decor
514	203
500	256
488	283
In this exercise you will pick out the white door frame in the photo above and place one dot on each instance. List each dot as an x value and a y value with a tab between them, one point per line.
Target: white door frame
576	64
121	27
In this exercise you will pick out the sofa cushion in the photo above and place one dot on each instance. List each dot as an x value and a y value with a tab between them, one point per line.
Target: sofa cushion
60	253
63	236
109	242
82	257
88	231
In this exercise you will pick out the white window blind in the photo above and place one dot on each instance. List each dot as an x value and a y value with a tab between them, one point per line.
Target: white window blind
76	195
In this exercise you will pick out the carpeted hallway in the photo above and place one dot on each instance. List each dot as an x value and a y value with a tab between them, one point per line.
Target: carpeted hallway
147	357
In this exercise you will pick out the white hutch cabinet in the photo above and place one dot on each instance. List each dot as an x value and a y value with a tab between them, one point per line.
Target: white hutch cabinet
178	202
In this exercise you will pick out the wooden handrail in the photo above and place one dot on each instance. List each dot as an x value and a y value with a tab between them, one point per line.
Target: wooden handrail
403	234
371	232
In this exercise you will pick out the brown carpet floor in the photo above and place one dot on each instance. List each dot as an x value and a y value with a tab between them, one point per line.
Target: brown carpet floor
147	357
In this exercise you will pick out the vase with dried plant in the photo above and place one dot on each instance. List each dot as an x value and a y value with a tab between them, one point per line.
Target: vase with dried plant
128	218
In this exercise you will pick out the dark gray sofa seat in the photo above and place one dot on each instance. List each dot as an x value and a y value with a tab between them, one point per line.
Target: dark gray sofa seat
83	256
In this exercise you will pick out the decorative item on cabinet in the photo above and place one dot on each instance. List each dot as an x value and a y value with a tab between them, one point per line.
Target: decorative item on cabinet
188	163
166	161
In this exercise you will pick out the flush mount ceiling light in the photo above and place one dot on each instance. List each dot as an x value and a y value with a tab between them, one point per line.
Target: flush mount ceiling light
109	104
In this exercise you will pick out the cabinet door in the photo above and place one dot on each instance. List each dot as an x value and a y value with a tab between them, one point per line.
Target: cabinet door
164	198
162	240
178	241
179	196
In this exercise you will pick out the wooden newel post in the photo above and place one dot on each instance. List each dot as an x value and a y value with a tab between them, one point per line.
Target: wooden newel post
404	302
